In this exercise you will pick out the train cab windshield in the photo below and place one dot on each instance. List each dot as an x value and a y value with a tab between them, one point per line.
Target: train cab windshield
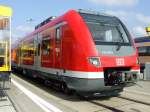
106	30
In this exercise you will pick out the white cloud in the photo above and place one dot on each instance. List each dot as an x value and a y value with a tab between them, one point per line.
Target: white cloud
130	16
139	31
115	2
21	31
121	14
143	18
25	29
134	20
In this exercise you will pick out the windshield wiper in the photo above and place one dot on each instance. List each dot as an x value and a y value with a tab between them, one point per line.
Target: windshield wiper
122	39
118	46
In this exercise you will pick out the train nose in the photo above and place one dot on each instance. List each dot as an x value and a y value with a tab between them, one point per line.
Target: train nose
119	77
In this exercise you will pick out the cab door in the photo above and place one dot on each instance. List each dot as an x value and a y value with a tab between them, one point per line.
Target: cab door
58	50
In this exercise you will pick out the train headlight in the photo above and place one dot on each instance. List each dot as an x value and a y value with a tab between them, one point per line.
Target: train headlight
95	61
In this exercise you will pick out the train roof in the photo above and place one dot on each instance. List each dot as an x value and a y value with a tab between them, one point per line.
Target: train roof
51	18
142	39
93	12
49	21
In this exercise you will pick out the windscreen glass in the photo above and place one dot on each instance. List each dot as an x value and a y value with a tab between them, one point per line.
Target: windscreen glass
106	30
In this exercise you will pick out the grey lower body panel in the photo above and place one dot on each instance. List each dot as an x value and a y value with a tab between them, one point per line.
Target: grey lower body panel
78	84
89	85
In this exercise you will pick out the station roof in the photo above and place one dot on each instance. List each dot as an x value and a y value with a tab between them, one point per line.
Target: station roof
5	11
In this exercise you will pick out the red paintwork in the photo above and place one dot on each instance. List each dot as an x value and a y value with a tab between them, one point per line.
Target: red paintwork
76	46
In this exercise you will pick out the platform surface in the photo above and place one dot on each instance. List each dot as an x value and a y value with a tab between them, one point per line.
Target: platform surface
6	105
132	99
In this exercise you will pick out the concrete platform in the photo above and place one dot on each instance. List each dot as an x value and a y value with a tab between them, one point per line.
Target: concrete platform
5	102
6	105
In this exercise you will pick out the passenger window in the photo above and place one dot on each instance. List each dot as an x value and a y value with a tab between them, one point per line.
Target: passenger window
27	50
46	46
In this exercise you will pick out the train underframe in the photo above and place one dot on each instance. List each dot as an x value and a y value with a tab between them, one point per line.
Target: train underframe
114	80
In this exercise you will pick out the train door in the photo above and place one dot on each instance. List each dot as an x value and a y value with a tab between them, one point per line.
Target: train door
37	46
58	35
47	49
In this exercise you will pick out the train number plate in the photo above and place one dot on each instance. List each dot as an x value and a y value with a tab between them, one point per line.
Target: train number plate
120	61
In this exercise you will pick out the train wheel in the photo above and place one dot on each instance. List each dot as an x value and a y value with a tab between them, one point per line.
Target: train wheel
24	72
48	83
65	89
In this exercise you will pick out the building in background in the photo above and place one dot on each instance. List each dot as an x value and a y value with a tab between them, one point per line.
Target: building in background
143	46
148	30
5	41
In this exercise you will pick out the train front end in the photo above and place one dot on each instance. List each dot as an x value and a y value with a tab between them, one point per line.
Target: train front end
117	58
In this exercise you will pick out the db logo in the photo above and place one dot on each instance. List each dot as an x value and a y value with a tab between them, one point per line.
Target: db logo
119	61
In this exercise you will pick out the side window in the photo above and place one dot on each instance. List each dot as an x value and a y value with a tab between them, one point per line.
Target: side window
28	50
45	46
58	35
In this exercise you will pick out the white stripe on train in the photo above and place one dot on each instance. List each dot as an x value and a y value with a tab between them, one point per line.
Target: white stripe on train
69	73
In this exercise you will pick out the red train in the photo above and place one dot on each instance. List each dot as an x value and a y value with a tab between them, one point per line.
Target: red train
82	50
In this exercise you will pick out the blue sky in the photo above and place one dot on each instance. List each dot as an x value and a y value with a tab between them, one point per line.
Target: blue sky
134	13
